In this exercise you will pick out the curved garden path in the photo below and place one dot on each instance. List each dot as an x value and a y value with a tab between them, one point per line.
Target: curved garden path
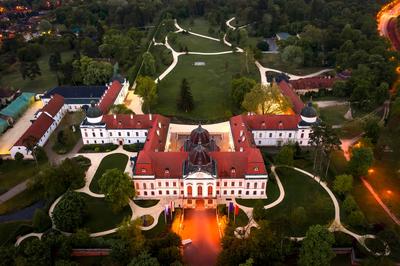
335	226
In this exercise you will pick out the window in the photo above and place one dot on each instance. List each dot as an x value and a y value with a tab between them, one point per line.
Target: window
259	142
262	192
128	134
301	142
174	184
101	134
290	135
232	184
175	192
144	186
181	184
254	192
217	184
302	135
233	170
95	142
225	184
217	192
260	135
143	170
167	192
247	193
145	193
102	141
167	184
181	192
166	171
256	168
263	185
93	134
248	185
129	141
145	133
270	135
255	185
159	192
119	134
240	183
280	134
152	186
86	135
224	192
240	192
152	193
137	134
159	184
232	192
137	185
110	134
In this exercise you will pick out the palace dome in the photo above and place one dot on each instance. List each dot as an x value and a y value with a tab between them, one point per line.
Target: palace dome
199	156
200	136
309	114
94	114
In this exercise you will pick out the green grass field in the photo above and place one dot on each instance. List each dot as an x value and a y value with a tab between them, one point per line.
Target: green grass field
210	86
42	83
100	215
156	231
197	44
302	191
20	201
12	173
274	61
146	203
117	160
200	25
272	193
69	119
163	57
334	115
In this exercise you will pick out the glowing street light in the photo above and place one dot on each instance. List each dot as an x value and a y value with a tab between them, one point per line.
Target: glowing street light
389	192
371	171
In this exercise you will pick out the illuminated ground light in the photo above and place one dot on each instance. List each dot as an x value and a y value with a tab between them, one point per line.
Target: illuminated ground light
389	192
371	171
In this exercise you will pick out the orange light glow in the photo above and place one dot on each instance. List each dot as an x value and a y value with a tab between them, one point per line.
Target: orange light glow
389	192
371	171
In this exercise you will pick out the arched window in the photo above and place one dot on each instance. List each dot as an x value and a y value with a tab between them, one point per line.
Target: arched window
189	191
199	191
210	191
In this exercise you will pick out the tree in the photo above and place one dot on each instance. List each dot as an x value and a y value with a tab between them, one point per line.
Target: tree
149	64
185	101
69	213
30	70
293	56
35	252
41	221
316	248
356	218
93	72
55	61
349	204
265	100
147	89
343	184
144	259
120	109
361	160
89	47
117	188
285	156
30	143
131	234
44	26
240	87
372	129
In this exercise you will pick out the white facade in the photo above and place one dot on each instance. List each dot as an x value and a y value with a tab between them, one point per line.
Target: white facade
99	134
200	185
281	137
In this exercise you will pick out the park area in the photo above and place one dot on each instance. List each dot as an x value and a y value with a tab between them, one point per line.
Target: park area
210	85
45	81
306	203
196	44
116	160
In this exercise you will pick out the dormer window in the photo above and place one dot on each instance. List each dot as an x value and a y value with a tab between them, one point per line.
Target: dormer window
166	171
263	124
256	168
143	170
280	123
233	171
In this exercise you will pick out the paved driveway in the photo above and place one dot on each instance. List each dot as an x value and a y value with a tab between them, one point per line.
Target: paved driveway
11	136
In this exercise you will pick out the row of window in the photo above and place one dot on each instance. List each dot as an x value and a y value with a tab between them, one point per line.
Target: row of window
128	134
232	184
102	142
280	135
175	192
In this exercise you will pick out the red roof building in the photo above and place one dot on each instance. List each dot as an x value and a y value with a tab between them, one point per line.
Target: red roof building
314	83
288	92
54	105
109	97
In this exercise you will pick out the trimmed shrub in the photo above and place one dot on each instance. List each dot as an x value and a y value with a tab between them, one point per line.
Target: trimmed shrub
98	148
136	147
41	221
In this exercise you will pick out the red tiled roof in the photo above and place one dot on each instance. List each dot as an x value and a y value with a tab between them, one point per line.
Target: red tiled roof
157	136
54	105
272	122
110	96
242	137
127	121
37	129
312	83
249	162
156	163
288	92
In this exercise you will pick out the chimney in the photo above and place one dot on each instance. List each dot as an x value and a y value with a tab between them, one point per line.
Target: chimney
150	117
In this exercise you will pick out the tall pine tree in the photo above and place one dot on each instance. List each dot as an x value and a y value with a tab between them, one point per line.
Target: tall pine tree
185	100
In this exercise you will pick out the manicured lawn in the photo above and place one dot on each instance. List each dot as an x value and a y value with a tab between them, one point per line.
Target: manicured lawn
274	61
69	120
100	215
272	193
42	83
146	203
9	231
117	160
302	191
200	25
12	173
334	115
156	231
20	201
210	86
197	44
